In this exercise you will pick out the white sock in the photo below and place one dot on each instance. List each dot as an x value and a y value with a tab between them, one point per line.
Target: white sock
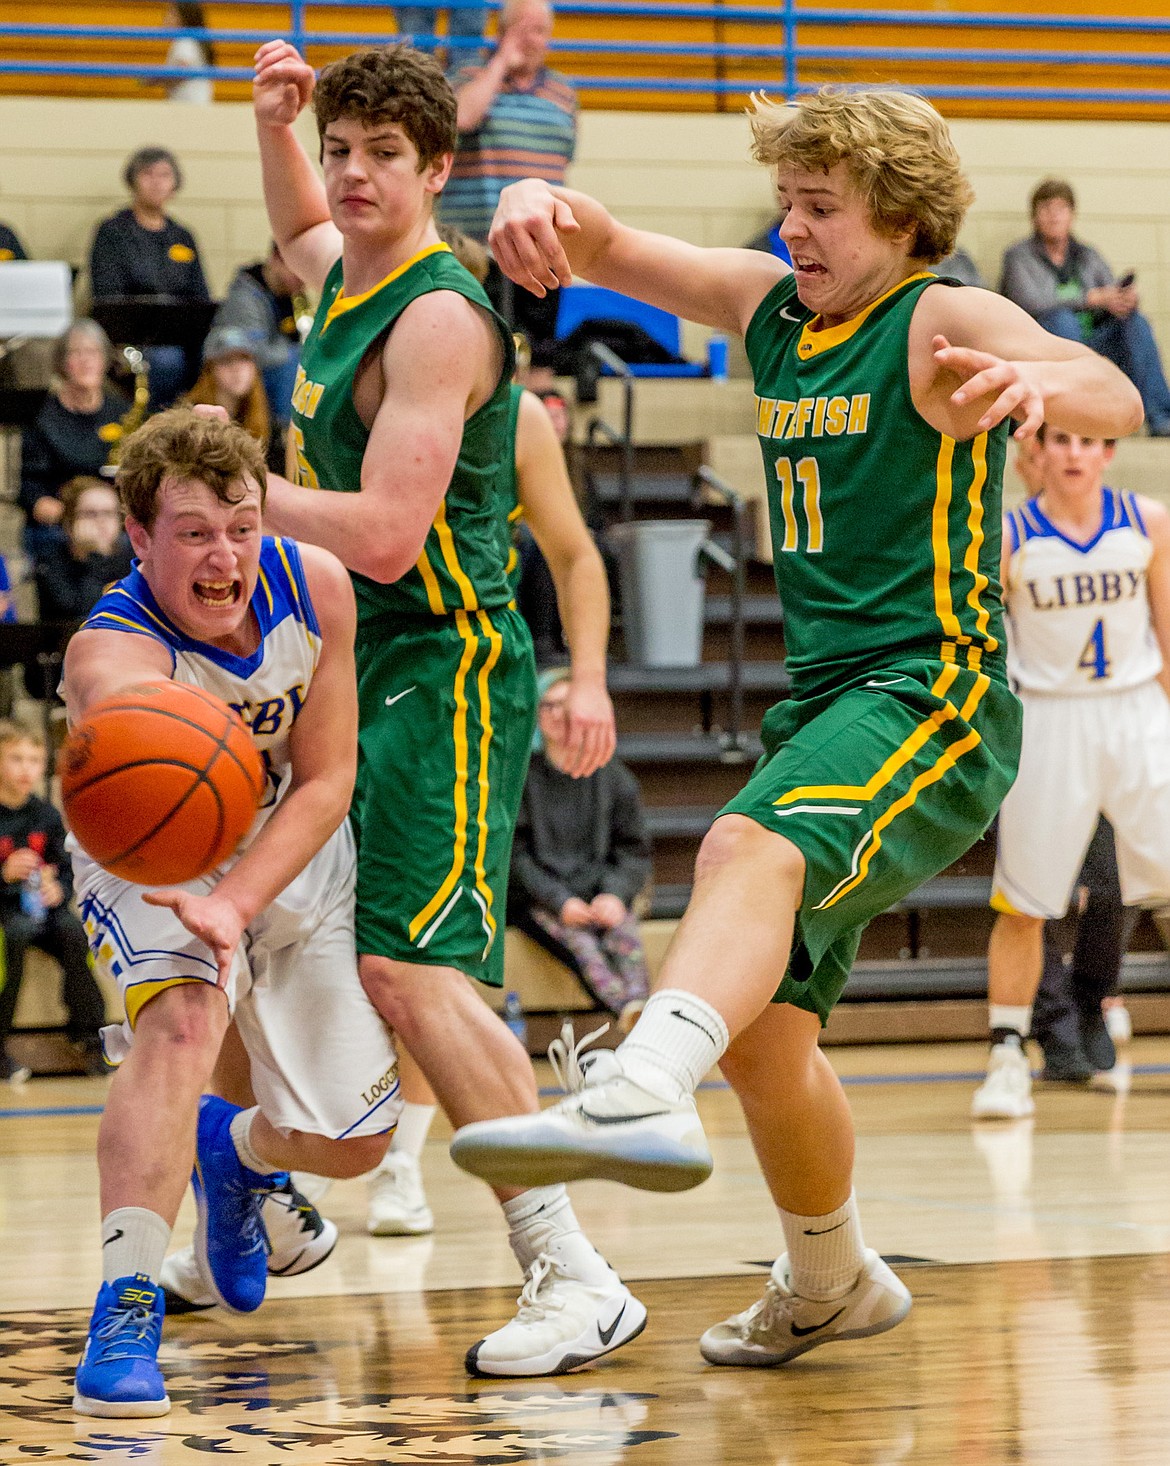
825	1254
534	1217
241	1128
413	1127
677	1040
134	1240
1017	1017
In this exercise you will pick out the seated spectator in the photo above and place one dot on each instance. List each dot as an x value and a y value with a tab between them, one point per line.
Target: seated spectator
580	857
230	379
10	245
77	428
1070	290
191	54
260	303
91	552
141	252
961	267
36	883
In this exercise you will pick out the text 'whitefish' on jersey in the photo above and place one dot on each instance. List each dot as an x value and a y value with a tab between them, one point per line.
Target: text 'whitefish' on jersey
812	417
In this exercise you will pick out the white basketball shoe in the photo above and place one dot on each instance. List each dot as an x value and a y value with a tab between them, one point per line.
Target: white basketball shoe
783	1325
299	1239
573	1309
608	1127
398	1204
1006	1093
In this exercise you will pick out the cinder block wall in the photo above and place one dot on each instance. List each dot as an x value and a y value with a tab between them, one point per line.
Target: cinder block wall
689	174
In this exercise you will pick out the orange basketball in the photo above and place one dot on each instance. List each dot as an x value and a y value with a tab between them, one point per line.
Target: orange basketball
160	782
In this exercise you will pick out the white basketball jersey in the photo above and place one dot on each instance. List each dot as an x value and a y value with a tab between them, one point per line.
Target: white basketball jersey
268	688
1079	614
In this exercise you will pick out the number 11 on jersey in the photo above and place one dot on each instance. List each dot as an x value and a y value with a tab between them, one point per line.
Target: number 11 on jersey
809	474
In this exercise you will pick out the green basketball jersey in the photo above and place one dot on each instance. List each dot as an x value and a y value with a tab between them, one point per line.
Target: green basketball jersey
885	532
462	565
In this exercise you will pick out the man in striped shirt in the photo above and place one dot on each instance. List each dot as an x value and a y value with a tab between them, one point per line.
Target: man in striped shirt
516	119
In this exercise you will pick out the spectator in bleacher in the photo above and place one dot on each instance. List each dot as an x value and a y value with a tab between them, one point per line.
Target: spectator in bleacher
517	119
959	266
464	24
580	856
77	428
10	245
189	53
141	252
36	883
92	550
231	379
1070	289
261	302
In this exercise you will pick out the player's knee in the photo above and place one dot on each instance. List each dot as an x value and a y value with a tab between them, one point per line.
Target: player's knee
190	1017
394	989
356	1155
734	841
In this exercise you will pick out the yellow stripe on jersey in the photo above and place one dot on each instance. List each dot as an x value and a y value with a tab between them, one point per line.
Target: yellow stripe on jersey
496	644
871	842
343	302
451	560
139	994
431	582
979	581
459	854
267	589
897	760
940	539
292	580
146	611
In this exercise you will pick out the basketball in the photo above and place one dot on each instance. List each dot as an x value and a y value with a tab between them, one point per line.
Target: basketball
160	782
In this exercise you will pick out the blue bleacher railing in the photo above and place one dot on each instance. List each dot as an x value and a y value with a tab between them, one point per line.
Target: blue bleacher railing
784	63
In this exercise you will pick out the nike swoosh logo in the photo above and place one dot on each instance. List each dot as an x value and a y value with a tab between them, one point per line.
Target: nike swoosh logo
788	316
113	1237
390	701
799	1333
605	1335
677	1013
824	1232
893	680
621	1119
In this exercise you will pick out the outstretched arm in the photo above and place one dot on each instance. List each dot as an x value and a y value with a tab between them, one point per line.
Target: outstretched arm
542	236
552	513
294	195
976	359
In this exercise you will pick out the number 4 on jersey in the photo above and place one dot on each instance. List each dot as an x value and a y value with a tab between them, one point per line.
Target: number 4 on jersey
1093	658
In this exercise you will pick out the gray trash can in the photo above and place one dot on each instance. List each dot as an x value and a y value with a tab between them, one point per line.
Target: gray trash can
663	590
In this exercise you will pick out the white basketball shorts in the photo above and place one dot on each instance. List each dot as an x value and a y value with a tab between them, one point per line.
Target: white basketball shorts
322	1059
1083	757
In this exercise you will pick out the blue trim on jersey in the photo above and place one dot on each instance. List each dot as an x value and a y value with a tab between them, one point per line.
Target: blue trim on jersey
130	606
1014	527
1139	522
1111	518
110	928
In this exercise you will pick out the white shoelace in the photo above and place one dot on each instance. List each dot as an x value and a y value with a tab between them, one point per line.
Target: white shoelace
564	1054
532	1306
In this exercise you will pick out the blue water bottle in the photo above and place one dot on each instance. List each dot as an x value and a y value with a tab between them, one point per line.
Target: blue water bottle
717	358
514	1018
32	901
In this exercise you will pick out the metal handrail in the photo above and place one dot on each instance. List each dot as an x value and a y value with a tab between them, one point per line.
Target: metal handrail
705	478
625	439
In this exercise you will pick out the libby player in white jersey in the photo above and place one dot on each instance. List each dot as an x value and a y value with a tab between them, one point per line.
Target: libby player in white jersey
266	937
1086	577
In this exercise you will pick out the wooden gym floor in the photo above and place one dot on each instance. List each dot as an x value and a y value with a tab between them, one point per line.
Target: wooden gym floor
1038	1254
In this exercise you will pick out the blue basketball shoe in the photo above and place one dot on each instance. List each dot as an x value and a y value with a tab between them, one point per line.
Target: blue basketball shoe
230	1240
119	1373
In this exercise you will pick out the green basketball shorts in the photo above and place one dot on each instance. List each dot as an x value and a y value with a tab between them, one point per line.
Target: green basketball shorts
446	707
881	784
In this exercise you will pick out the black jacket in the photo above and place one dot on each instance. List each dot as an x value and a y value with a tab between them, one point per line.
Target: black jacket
37	825
126	259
